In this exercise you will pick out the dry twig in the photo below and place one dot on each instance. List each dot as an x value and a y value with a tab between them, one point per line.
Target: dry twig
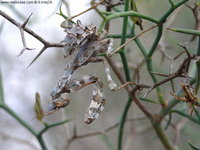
131	91
196	14
107	129
162	47
178	128
92	7
18	140
31	32
21	29
181	72
131	39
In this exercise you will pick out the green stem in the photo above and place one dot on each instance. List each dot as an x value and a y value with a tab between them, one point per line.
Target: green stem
47	126
118	36
186	116
149	61
100	14
122	122
126	69
171	2
1	90
125	22
123	40
169	107
168	122
102	25
24	124
43	130
150	70
139	44
149	64
159	34
141	47
64	16
58	123
156	124
125	65
156	41
131	13
186	31
106	12
164	17
20	120
42	143
126	14
162	135
197	85
119	10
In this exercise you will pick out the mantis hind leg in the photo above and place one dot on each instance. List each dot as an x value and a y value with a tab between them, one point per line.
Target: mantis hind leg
98	102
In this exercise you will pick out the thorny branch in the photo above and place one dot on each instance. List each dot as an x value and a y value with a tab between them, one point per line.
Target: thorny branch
47	44
182	71
135	67
31	32
178	128
196	13
131	91
21	29
105	130
133	38
162	46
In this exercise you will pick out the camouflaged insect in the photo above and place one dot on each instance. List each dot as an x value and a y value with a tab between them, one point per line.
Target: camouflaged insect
77	34
189	96
87	43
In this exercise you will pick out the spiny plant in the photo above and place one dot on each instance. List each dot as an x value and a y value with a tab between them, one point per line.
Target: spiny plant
92	46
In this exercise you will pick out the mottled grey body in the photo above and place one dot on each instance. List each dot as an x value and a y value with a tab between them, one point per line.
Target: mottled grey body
88	43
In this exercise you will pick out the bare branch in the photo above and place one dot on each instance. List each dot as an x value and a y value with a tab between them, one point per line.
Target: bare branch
131	91
36	57
92	7
128	83
182	71
21	29
162	46
130	40
178	128
18	140
196	14
31	32
109	128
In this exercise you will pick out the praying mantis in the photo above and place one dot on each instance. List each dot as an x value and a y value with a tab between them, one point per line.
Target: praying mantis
87	44
189	96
